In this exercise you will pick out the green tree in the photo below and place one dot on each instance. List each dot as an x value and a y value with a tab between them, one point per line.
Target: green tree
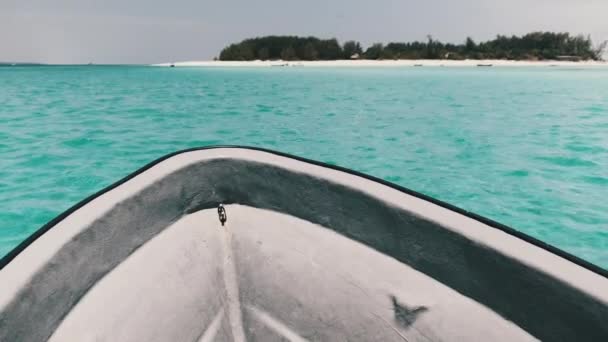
470	45
432	48
263	53
246	53
310	52
374	51
387	54
351	48
598	52
288	54
329	49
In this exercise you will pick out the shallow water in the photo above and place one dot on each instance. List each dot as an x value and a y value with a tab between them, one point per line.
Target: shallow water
527	147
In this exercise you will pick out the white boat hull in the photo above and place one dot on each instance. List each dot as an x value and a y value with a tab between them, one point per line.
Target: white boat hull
308	252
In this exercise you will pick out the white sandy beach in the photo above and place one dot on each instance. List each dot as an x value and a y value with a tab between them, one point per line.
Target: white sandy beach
386	63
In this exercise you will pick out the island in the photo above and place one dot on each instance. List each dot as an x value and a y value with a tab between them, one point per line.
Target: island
535	46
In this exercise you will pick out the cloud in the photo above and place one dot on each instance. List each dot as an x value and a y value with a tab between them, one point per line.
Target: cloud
56	38
138	31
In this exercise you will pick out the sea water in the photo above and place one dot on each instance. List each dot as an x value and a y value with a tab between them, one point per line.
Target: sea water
527	147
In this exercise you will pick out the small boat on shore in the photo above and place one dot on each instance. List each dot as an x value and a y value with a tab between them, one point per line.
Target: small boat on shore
236	244
485	65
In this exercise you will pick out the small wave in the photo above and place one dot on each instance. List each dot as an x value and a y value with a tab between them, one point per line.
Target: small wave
596	109
568	161
517	173
585	148
597	180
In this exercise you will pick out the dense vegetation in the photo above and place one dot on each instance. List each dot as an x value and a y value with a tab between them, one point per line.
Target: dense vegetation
532	46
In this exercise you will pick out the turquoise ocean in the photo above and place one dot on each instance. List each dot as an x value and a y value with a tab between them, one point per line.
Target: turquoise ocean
527	147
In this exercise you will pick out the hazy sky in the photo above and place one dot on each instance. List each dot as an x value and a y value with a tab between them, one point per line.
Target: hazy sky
149	31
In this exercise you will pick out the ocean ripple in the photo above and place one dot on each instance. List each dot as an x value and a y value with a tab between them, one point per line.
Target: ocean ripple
526	147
